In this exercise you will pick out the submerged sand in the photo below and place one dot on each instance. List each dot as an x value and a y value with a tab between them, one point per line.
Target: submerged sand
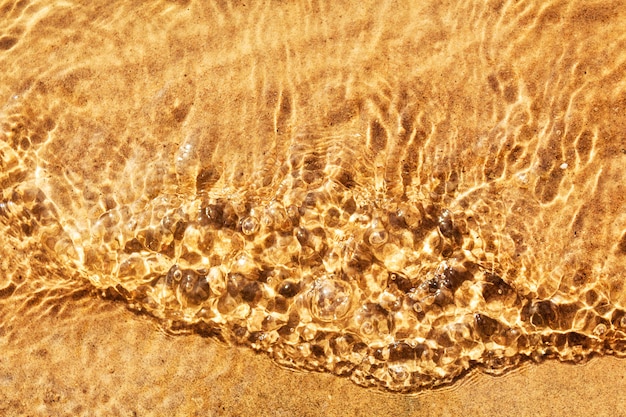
99	359
400	195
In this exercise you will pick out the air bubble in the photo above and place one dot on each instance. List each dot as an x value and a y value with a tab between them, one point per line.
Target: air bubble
173	275
194	287
373	320
600	329
330	299
177	275
250	225
378	237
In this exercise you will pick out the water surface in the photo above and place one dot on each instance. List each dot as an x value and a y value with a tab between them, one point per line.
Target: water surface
389	192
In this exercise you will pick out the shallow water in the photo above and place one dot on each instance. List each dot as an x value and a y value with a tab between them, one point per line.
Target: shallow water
390	193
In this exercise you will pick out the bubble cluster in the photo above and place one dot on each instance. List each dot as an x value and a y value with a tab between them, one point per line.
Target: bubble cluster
395	293
402	295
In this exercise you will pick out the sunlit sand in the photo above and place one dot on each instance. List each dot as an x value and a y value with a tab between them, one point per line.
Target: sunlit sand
396	194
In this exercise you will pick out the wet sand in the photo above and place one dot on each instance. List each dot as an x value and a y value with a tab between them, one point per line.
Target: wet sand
100	359
394	193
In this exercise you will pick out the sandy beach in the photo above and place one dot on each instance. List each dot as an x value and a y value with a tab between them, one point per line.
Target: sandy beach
312	208
98	359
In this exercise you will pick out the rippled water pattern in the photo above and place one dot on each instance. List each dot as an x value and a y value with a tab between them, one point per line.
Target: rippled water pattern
396	192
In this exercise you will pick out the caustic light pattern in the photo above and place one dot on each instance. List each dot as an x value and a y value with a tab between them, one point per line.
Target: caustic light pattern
398	197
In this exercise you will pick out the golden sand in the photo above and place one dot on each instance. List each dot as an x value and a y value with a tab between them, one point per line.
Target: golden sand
399	194
102	360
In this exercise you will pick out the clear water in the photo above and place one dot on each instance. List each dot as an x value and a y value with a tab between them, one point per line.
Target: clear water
393	194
